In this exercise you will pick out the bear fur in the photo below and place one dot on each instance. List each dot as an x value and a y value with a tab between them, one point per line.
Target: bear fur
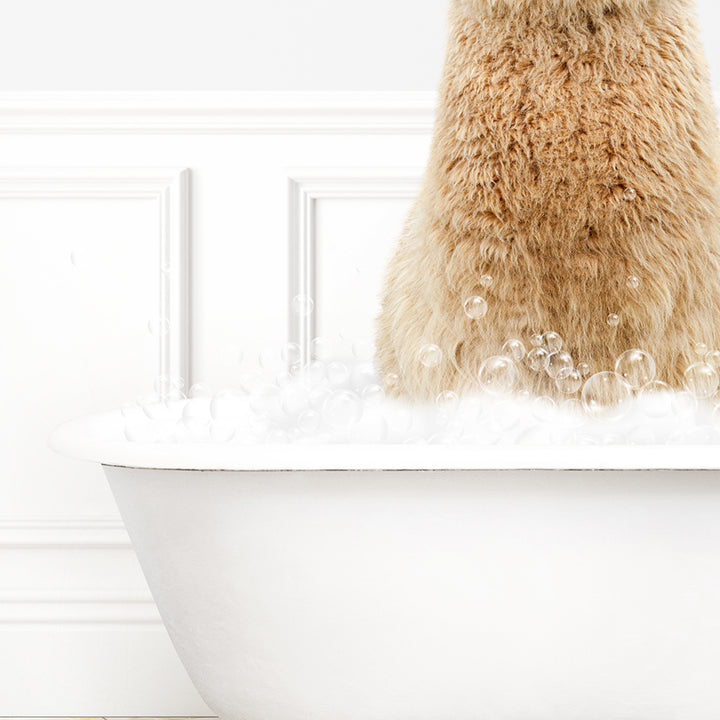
575	146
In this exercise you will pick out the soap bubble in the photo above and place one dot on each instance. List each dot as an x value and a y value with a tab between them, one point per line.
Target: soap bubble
568	381
700	349
613	319
290	353
486	280
155	408
197	409
557	362
309	421
295	398
221	432
362	375
498	375
372	394
161	385
447	400
684	404
514	349
277	437
198	390
139	432
321	348
302	305
337	373
476	307
636	367
128	409
713	359
195	421
701	379
226	405
392	380
270	359
572	406
630	194
716	414
266	399
315	372
583	368
536	339
504	417
633	282
430	355
318	395
537	359
158	327
656	396
342	409
552	342
605	394
370	428
399	419
543	408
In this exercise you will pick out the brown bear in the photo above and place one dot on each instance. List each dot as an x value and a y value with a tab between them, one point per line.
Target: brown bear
572	187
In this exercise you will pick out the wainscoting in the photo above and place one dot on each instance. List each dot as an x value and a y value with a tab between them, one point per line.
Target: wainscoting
160	238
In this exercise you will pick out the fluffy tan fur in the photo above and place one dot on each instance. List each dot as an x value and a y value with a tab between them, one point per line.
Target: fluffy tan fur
549	111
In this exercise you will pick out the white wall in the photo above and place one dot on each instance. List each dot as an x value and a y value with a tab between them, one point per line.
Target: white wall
82	272
235	44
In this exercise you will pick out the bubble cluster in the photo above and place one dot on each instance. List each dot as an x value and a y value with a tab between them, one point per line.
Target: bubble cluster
558	362
340	398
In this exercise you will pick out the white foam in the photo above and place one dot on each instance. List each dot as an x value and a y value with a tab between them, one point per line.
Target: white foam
342	403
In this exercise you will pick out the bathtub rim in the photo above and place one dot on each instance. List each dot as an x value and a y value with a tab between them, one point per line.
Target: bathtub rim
90	438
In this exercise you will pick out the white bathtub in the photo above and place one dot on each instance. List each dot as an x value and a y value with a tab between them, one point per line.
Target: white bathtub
429	583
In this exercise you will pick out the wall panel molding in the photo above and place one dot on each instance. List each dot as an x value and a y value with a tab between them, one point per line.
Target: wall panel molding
63	533
76	607
218	112
68	604
170	189
49	541
307	187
